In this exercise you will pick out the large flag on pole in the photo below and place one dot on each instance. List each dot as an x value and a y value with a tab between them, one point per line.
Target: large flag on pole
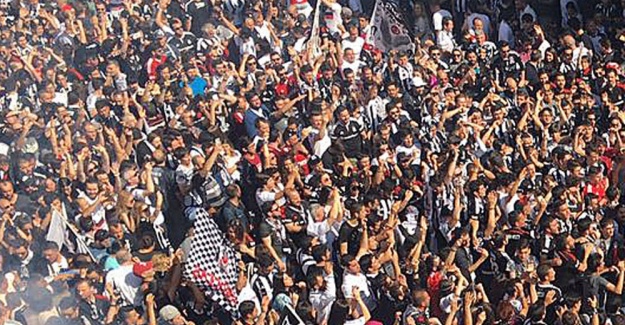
314	42
389	30
62	233
212	263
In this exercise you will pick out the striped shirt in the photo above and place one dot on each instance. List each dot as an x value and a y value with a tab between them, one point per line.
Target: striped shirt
262	285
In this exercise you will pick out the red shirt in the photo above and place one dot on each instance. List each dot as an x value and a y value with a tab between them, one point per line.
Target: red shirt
598	189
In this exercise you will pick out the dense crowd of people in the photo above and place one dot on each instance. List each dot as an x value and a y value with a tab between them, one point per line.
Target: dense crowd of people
473	178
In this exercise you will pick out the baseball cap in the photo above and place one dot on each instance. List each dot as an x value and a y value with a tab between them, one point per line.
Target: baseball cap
418	82
346	12
141	268
281	301
168	313
314	160
158	34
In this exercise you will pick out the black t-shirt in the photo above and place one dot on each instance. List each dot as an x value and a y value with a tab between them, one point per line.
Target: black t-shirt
95	312
145	257
274	229
200	13
297	216
351	235
566	274
511	66
350	134
185	43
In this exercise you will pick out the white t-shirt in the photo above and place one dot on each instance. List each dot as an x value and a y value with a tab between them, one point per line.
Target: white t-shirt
354	66
246	46
99	213
446	41
355	45
126	283
415	150
318	229
319	146
358	280
56	268
263	31
263	196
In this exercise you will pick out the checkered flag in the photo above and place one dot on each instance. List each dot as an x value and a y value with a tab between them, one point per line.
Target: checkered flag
212	263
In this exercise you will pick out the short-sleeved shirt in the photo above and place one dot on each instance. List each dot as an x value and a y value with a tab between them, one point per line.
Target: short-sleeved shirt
350	235
598	288
350	134
276	231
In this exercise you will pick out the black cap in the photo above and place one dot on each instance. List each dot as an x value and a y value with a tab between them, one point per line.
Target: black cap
101	235
314	160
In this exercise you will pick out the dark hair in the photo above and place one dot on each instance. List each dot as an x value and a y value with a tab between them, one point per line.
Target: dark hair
339	312
536	312
542	271
366	261
319	252
50	245
67	303
264	261
146	241
246	308
594	261
345	260
313	272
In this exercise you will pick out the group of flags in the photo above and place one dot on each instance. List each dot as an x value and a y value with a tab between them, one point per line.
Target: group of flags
388	28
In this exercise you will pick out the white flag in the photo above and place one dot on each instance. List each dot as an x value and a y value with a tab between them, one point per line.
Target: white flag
388	29
57	229
315	41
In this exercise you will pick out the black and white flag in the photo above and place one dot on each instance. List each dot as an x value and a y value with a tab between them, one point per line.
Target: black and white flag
63	233
212	263
388	28
290	317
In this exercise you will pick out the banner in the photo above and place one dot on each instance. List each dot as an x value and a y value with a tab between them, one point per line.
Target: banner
212	263
57	231
388	28
63	233
314	42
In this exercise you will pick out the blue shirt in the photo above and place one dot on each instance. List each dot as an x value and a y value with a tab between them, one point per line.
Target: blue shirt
198	85
250	120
